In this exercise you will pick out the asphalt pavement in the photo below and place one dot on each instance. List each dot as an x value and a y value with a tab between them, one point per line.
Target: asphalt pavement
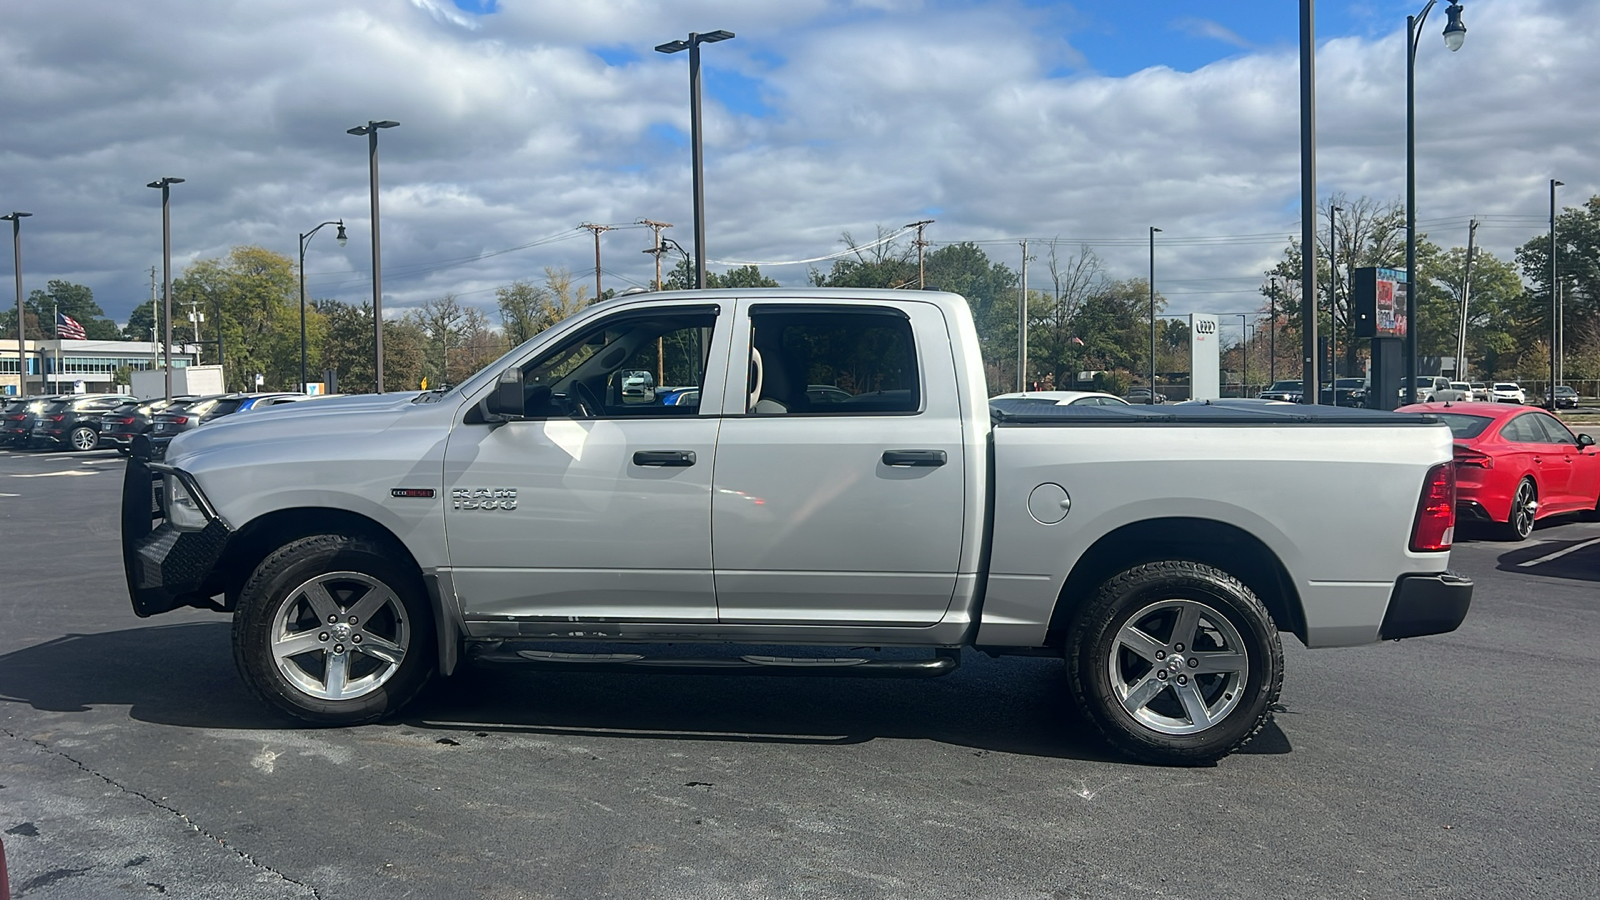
133	763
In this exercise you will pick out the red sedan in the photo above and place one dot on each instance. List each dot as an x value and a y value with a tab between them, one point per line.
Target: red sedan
1515	465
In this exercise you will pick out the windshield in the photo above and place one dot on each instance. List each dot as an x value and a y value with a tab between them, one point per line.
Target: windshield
1464	427
1285	386
1503	386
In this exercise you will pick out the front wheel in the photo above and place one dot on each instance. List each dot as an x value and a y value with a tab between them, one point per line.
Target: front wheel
334	630
1175	662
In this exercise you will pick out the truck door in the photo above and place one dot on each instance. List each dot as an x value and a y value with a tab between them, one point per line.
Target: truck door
838	492
598	504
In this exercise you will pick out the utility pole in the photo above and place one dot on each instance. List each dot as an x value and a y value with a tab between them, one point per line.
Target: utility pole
656	249
919	243
1022	324
1466	299
1272	333
1308	206
598	230
1333	303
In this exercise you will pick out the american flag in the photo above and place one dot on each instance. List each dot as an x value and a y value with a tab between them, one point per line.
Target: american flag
68	327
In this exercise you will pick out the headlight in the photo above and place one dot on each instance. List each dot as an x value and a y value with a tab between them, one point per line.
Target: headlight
183	512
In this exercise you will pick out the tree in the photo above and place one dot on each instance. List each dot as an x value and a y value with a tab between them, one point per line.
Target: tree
1054	343
480	345
521	304
682	278
437	320
252	302
73	300
1578	272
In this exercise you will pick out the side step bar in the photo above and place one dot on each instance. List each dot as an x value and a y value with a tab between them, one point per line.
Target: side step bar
944	663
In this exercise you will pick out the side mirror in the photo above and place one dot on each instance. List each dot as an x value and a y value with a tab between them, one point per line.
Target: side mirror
506	401
1585	440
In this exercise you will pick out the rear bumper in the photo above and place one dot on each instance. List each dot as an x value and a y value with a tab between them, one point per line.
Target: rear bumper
165	567
1426	604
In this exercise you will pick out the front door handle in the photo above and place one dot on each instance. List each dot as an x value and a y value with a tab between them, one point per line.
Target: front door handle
664	458
931	459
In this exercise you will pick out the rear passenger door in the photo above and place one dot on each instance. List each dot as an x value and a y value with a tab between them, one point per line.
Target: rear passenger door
838	494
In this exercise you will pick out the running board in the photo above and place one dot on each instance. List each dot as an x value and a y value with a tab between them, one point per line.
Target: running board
848	667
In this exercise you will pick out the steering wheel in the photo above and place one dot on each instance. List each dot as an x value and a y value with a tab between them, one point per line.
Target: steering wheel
584	401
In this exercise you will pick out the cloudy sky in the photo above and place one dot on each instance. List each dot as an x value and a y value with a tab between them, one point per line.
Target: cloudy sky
1001	119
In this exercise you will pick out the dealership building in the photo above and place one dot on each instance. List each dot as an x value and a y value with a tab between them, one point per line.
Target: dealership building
79	367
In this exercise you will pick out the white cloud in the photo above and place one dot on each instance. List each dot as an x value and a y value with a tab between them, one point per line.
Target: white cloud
515	129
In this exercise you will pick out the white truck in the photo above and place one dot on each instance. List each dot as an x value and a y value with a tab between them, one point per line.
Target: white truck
542	514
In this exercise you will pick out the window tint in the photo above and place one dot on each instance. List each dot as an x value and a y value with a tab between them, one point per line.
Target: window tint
1464	427
1554	432
860	361
1523	430
630	365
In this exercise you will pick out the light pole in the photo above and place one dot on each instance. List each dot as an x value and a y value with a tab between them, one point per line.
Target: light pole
342	238
693	46
1454	34
370	132
165	184
16	249
1272	332
1308	203
1333	301
1556	292
1244	353
1152	398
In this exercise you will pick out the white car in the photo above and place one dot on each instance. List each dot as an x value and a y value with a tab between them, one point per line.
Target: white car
1457	392
1066	398
1508	392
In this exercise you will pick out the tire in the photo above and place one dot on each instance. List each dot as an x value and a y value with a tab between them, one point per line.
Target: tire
374	655
83	439
1524	509
1162	704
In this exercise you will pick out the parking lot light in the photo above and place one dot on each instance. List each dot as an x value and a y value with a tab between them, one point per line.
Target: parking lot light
15	219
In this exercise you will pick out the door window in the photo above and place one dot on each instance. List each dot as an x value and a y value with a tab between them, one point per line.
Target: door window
649	364
1524	430
1554	431
857	361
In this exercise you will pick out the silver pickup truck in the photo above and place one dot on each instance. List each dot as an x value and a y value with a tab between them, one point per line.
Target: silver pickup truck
810	473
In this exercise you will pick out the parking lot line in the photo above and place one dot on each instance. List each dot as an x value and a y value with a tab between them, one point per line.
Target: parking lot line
1558	554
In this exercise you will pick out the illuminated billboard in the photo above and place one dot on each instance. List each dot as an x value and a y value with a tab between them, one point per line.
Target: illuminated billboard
1380	302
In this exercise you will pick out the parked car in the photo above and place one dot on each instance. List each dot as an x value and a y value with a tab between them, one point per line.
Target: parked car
1566	398
1345	392
908	516
1516	466
1063	398
1142	396
17	423
169	423
1481	392
1508	392
1454	391
74	422
1291	391
121	425
1427	386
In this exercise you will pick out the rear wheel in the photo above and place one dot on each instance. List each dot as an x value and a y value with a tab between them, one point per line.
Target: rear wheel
1524	508
334	630
1175	662
83	439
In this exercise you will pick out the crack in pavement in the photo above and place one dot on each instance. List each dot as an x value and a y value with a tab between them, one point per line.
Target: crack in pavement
174	811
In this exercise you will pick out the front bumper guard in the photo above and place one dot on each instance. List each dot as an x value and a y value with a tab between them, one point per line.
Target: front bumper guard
165	567
1426	604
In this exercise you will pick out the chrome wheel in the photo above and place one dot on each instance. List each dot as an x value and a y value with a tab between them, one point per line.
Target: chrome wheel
340	635
84	439
1178	666
1524	508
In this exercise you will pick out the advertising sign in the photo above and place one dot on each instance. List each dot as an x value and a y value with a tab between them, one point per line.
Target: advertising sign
1380	302
1205	358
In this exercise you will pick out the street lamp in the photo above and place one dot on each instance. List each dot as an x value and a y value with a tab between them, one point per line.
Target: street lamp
693	46
16	247
306	239
1333	296
1556	293
165	184
370	132
1244	353
1454	34
1153	230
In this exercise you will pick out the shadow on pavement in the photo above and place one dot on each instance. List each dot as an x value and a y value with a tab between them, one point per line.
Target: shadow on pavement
1576	559
183	675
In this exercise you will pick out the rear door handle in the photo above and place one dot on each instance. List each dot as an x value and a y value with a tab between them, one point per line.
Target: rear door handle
664	458
931	459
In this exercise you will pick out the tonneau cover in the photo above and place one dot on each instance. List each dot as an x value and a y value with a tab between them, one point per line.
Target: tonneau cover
1219	412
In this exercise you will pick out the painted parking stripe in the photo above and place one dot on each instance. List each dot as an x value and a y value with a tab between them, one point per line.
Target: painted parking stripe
1558	554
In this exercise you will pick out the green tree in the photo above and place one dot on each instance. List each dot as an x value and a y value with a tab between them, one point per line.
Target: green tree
73	300
682	277
1578	273
252	301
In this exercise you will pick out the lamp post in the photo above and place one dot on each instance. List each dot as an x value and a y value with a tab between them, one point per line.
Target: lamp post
1454	34
165	184
370	132
1556	292
15	219
1152	398
1333	299
1244	353
693	46
1272	332
1308	203
342	238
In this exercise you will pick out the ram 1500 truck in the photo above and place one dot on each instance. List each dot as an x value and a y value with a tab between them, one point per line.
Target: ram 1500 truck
829	474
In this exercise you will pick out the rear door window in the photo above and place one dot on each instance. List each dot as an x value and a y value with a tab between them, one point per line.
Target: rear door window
839	362
1524	429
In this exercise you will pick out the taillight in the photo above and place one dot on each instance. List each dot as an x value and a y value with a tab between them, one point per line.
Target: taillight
122	421
1475	458
180	420
57	418
1435	527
